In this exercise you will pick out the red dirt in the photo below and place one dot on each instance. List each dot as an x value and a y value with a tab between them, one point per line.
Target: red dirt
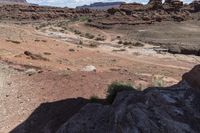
60	77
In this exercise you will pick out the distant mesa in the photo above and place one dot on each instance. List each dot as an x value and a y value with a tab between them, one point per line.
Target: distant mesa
13	2
102	5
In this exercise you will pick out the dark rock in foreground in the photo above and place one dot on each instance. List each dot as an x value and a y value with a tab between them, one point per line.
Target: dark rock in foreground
156	110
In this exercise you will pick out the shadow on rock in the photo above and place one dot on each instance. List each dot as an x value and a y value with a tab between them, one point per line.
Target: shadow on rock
49	116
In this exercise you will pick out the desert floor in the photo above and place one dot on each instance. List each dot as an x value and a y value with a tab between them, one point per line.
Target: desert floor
55	69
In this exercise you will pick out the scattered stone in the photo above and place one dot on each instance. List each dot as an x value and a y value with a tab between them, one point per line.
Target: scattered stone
47	53
31	72
89	68
138	44
35	56
71	50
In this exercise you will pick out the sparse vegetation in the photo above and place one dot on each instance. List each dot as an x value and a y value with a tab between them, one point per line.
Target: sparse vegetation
120	42
93	45
89	36
138	44
158	81
80	42
94	99
116	87
84	18
100	38
77	32
127	43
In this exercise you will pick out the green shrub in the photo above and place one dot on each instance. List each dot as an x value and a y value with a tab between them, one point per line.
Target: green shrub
80	42
100	39
94	99
84	18
89	36
77	32
116	87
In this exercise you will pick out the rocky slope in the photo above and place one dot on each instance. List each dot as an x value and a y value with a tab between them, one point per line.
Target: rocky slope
32	12
175	109
154	11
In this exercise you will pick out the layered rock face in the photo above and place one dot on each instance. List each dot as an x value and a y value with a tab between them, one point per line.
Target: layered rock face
31	12
136	13
156	110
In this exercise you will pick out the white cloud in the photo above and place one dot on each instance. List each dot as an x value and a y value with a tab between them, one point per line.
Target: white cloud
74	3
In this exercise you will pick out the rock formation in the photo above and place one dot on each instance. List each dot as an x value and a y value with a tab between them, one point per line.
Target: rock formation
155	4
171	5
196	5
132	7
32	12
174	109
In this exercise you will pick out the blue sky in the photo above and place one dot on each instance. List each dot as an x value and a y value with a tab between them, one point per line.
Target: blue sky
74	3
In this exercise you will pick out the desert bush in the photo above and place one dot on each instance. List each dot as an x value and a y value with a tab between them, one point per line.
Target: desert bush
127	43
118	37
83	18
77	32
93	45
80	42
158	82
94	99
116	87
89	20
100	39
138	44
120	42
89	36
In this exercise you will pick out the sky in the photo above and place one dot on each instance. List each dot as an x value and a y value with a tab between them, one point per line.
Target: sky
74	3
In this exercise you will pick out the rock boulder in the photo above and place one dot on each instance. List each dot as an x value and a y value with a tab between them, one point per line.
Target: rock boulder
154	110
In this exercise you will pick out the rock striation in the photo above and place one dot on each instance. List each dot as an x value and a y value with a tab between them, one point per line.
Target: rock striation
34	12
174	109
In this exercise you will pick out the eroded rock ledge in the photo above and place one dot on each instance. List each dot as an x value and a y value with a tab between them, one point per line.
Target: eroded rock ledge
156	110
